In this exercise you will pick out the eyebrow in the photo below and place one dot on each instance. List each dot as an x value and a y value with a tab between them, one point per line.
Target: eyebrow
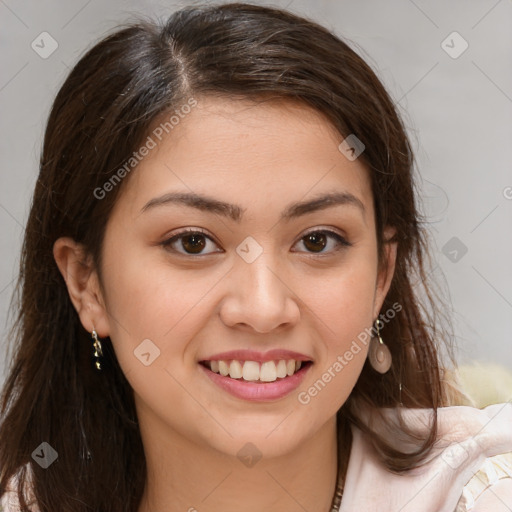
235	212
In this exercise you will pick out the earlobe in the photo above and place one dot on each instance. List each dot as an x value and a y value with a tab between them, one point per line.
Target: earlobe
82	283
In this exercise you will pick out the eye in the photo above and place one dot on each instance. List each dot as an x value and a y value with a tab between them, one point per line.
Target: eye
193	241
317	240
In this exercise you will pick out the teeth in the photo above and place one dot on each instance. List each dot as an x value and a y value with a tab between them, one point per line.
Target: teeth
268	372
223	368
281	369
252	371
235	370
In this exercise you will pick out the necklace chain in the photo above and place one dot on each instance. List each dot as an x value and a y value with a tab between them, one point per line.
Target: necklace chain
338	492
336	499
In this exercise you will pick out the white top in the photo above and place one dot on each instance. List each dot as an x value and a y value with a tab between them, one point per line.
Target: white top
471	467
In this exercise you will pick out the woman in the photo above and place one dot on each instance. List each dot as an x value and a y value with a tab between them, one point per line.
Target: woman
220	289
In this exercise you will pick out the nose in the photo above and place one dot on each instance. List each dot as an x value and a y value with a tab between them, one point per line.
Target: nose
258	297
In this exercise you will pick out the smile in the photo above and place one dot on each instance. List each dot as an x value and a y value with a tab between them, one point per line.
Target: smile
254	381
253	371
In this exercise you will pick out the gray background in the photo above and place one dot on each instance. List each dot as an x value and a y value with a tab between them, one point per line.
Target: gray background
457	111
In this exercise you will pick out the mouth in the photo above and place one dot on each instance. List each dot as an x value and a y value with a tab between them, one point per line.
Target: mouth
255	371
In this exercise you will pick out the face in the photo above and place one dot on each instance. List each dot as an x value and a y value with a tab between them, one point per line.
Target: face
250	267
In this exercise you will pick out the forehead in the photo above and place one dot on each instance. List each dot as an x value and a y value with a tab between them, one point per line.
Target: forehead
253	154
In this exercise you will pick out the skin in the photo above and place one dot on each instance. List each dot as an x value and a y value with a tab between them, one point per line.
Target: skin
262	157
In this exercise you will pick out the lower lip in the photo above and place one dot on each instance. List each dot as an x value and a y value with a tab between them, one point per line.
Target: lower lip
258	392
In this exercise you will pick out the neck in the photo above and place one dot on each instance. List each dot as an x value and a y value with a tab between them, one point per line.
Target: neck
183	476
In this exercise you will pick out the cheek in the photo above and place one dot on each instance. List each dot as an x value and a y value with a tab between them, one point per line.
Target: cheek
344	297
343	308
155	314
149	299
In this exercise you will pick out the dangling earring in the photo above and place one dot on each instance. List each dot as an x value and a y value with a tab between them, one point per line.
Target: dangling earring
379	354
98	352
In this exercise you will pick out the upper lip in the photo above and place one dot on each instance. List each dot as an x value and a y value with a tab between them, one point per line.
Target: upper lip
260	357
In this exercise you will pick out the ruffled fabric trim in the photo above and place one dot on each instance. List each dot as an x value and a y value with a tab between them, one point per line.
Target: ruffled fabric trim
493	470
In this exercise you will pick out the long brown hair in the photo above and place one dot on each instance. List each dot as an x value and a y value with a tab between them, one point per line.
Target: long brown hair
100	116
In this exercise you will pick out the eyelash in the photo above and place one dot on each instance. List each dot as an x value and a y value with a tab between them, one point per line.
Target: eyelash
342	242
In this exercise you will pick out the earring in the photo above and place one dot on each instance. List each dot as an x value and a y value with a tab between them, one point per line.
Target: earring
379	354
98	352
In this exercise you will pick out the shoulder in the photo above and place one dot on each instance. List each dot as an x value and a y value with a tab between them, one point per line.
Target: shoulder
476	449
471	442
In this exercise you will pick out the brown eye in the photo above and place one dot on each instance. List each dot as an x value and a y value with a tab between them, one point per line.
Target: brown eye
317	241
193	243
189	242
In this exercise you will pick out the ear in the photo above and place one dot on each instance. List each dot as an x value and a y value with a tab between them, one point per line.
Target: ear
386	271
83	285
